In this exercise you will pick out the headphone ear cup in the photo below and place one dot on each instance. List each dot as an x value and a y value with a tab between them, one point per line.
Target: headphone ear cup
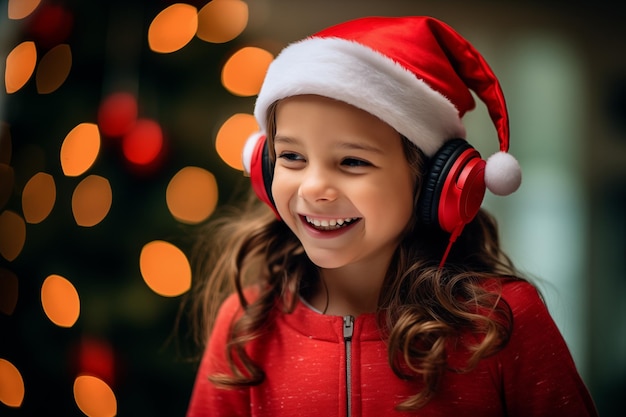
454	186
268	173
436	172
262	173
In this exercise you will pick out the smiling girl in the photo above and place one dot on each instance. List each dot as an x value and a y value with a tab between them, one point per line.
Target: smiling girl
375	285
345	189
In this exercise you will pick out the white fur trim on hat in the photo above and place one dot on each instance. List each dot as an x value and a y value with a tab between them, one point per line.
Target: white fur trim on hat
357	75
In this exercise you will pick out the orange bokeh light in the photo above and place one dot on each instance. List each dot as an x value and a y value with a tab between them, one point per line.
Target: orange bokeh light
60	301
165	268
12	234
11	384
80	149
220	21
20	64
38	197
245	70
192	195
19	9
53	69
173	28
232	137
91	200
94	397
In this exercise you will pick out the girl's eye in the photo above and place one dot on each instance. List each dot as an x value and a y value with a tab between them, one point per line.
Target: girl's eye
353	162
290	156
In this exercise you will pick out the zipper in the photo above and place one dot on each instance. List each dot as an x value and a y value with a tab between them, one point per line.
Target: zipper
348	330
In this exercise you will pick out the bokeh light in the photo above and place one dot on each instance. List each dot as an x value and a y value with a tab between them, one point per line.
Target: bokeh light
245	70
192	195
220	21
20	64
8	291
38	197
91	200
19	9
12	234
94	397
53	69
50	25
144	143
60	301
11	384
165	268
80	149
117	114
232	136
173	28
95	357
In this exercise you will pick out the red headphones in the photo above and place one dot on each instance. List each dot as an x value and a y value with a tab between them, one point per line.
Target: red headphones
451	195
261	170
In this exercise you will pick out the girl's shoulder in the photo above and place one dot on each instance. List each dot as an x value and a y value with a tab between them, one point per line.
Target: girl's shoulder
519	292
522	298
512	290
531	316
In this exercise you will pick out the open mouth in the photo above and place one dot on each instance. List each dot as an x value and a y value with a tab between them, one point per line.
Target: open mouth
330	224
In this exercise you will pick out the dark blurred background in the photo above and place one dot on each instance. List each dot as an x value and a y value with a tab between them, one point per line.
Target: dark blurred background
563	70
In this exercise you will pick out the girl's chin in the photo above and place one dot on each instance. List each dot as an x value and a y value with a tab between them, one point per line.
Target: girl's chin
326	259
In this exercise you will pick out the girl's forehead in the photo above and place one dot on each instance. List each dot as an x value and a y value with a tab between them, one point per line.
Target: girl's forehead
323	103
322	115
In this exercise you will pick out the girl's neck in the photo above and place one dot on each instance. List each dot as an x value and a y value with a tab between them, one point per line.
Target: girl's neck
349	290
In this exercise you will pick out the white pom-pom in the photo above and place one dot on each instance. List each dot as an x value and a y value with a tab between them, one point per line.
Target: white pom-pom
503	174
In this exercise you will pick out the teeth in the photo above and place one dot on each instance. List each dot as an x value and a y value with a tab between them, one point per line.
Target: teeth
330	224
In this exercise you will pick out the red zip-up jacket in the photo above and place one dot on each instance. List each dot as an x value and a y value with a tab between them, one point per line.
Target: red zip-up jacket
318	365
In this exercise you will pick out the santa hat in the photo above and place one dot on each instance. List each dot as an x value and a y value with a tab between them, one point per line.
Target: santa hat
415	73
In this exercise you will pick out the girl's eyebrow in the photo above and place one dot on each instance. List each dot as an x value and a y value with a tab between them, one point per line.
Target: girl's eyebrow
285	140
359	146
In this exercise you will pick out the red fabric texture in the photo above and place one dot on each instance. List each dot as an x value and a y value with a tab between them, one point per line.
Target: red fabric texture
303	355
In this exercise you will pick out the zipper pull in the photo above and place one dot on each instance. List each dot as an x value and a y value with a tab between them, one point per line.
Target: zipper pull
348	327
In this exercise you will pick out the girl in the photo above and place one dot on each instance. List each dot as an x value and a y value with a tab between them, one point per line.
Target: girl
349	296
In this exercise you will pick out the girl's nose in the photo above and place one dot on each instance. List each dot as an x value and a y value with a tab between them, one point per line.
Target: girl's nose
317	185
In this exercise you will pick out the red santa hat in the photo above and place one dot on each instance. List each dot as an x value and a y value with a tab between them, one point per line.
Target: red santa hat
415	73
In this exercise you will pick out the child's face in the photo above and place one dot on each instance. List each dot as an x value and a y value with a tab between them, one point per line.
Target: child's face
341	182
